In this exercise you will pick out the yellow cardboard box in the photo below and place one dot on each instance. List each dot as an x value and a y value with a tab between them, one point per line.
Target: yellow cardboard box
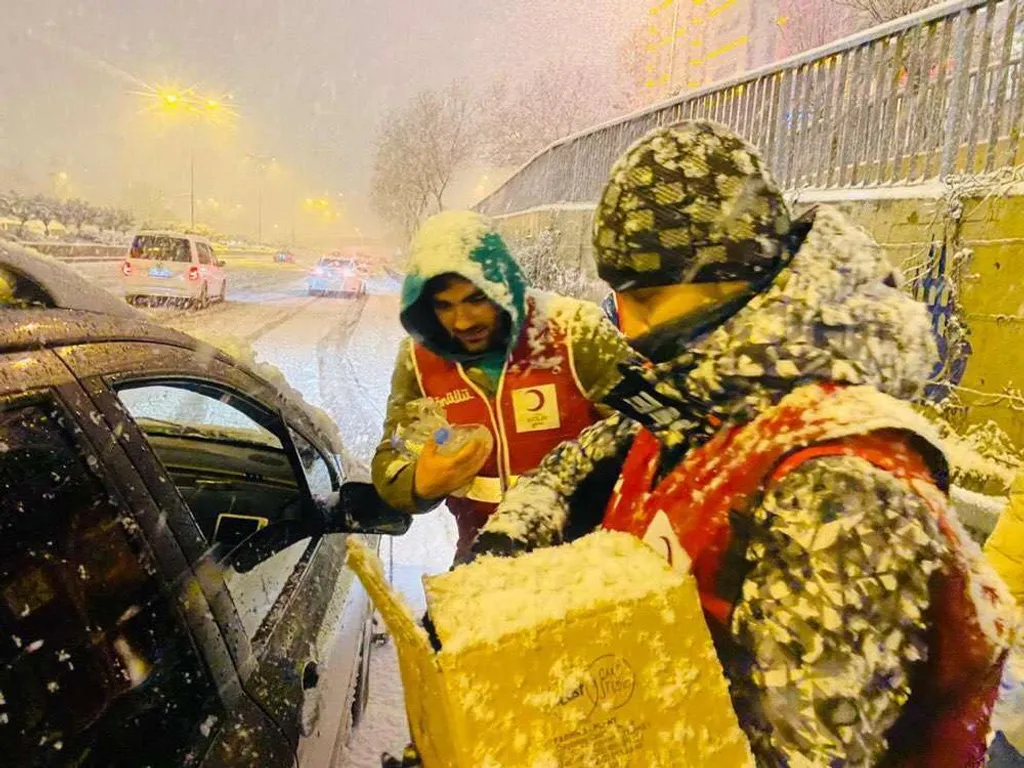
590	655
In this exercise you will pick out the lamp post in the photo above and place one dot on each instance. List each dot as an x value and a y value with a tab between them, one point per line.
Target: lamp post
195	108
263	164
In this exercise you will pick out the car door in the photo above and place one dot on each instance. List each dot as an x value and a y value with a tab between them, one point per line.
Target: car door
107	654
282	617
211	273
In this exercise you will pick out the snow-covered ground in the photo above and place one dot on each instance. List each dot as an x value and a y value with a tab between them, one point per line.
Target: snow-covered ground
339	354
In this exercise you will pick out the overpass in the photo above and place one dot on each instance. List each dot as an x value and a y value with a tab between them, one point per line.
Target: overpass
913	128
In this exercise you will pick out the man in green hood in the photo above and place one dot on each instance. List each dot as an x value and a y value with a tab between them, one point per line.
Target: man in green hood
526	365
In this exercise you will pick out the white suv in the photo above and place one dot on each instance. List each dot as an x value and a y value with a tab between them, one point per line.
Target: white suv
172	266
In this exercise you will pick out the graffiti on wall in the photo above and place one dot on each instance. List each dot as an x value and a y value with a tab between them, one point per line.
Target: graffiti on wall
937	288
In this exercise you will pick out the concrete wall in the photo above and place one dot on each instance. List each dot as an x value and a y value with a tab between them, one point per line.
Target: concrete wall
992	292
80	251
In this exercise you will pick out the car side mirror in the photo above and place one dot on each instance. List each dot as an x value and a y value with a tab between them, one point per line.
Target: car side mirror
221	263
360	509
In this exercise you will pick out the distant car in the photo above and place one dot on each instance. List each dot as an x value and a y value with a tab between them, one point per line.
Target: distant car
283	257
173	588
333	275
174	267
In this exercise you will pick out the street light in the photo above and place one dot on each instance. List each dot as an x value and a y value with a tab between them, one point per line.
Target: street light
170	100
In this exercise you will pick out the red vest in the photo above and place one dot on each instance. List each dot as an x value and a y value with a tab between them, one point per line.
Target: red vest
688	515
538	404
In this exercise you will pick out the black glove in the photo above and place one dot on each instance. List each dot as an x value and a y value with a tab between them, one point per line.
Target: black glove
670	415
497	544
410	759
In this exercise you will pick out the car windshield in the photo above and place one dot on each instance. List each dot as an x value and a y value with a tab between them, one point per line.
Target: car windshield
160	248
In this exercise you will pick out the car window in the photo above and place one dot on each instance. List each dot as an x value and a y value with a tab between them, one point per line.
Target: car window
232	473
178	408
254	593
203	251
160	248
321	478
19	292
95	661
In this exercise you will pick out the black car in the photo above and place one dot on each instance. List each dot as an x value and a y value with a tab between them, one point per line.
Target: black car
173	530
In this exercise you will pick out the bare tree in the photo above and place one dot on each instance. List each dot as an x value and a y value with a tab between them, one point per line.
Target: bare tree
560	99
634	67
810	25
878	11
420	147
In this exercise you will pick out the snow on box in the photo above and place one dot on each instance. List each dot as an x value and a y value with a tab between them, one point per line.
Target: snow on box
591	654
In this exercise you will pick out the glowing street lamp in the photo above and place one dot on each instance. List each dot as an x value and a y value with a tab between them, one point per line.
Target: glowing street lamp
172	100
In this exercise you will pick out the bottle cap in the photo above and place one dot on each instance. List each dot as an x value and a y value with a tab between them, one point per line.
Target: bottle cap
442	435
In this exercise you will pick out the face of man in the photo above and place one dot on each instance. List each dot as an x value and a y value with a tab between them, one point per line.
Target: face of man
644	309
472	319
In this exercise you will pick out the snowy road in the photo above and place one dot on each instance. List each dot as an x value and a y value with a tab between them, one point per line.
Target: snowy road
339	354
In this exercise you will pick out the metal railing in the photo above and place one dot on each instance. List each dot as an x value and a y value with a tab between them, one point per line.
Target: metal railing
936	93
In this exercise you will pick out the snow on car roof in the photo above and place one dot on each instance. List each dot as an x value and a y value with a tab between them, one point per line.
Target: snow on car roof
66	287
171	233
32	329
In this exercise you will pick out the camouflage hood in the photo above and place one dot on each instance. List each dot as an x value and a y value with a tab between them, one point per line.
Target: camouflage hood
834	313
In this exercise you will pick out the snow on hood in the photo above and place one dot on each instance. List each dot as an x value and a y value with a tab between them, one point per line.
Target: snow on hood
464	243
835	313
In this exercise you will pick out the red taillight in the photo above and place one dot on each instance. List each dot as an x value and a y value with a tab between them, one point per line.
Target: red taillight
193	272
126	268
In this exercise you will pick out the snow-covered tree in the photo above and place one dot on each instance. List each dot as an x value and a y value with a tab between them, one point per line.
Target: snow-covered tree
79	213
548	267
46	210
123	221
20	208
420	147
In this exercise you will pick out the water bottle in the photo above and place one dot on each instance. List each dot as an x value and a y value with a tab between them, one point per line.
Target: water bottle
452	439
423	418
426	420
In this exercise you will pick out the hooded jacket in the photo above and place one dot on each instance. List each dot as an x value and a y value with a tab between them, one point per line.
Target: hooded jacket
464	244
807	690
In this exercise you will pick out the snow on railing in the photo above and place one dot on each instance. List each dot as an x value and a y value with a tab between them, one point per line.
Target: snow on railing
932	94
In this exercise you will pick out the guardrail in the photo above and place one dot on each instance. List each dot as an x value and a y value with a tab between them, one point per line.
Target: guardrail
926	96
79	252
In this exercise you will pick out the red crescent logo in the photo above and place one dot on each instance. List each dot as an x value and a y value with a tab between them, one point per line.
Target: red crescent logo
540	400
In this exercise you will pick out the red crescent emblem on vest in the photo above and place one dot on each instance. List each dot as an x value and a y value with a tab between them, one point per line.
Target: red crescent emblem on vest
540	399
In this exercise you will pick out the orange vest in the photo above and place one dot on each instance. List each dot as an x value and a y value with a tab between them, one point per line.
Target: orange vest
539	403
691	516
